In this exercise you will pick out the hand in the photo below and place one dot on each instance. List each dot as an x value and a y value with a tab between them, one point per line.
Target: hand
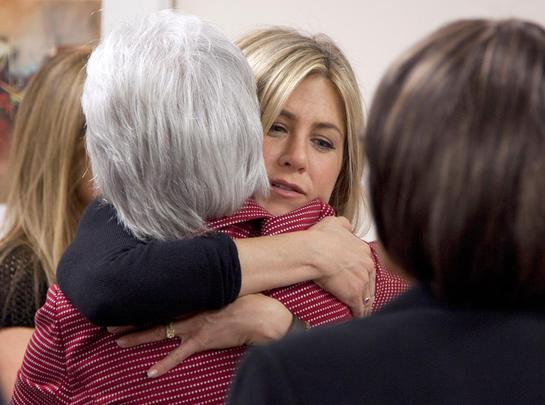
252	319
347	264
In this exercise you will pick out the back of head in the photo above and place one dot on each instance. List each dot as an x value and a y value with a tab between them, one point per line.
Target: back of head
281	59
456	146
173	129
47	162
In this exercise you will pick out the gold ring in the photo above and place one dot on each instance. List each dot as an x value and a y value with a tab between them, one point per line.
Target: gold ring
170	331
366	300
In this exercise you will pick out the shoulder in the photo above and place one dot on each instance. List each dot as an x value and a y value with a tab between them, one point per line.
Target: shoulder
324	365
336	364
410	345
99	234
99	215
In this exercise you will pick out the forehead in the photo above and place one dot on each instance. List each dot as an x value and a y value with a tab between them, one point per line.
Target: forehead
316	100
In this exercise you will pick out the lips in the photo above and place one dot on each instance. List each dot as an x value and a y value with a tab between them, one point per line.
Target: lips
284	187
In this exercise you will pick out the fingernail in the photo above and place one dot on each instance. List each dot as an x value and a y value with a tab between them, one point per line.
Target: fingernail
152	373
121	342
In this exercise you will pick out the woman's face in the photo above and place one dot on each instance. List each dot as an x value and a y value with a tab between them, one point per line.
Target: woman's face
303	150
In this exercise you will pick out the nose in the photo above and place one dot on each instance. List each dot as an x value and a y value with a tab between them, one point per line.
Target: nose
294	154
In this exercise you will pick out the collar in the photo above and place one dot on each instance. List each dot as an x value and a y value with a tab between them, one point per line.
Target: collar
267	224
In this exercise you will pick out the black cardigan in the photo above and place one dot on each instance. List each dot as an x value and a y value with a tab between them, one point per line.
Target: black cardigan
202	273
415	351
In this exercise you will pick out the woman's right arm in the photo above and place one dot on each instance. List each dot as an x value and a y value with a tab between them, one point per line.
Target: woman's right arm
115	279
327	253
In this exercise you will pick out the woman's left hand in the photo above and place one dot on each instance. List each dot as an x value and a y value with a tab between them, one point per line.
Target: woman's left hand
251	319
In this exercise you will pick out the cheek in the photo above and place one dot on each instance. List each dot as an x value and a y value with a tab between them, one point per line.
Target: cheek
326	176
268	152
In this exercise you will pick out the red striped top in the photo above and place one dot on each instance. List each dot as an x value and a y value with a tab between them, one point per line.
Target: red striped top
70	360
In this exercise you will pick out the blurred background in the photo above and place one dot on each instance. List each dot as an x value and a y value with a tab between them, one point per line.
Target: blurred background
372	33
30	32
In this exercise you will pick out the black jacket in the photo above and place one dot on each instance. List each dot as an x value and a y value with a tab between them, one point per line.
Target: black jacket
415	351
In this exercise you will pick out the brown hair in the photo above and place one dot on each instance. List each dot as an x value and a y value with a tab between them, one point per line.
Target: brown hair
456	149
47	165
281	59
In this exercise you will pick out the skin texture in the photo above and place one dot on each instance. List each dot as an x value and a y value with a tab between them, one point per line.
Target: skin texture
303	150
250	316
327	253
13	342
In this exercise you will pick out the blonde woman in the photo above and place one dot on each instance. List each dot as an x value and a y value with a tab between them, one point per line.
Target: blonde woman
282	59
49	189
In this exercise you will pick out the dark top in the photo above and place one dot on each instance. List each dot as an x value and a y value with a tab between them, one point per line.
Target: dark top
203	273
415	351
22	290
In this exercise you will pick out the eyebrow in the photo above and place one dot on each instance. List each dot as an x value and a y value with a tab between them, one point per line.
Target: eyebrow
321	125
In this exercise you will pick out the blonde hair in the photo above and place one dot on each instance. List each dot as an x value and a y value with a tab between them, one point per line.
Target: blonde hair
47	165
281	59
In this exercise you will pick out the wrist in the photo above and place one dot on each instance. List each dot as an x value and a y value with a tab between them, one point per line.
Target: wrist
313	253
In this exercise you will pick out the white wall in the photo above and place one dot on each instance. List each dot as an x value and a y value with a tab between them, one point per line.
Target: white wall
114	11
372	33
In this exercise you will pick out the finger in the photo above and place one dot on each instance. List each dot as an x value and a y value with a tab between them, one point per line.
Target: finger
357	309
373	282
175	357
367	295
368	301
367	311
360	289
120	330
145	336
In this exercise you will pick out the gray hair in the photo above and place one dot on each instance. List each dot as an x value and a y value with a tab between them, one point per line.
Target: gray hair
173	125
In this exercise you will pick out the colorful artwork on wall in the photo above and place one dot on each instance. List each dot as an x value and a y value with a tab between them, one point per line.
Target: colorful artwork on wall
30	32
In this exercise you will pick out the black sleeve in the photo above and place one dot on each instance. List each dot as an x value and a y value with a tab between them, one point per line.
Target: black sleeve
261	379
115	279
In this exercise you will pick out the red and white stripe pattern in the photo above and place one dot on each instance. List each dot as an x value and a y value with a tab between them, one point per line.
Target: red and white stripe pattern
69	360
388	286
306	300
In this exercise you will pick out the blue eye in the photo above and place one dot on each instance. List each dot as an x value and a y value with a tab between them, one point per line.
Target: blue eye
277	129
323	144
